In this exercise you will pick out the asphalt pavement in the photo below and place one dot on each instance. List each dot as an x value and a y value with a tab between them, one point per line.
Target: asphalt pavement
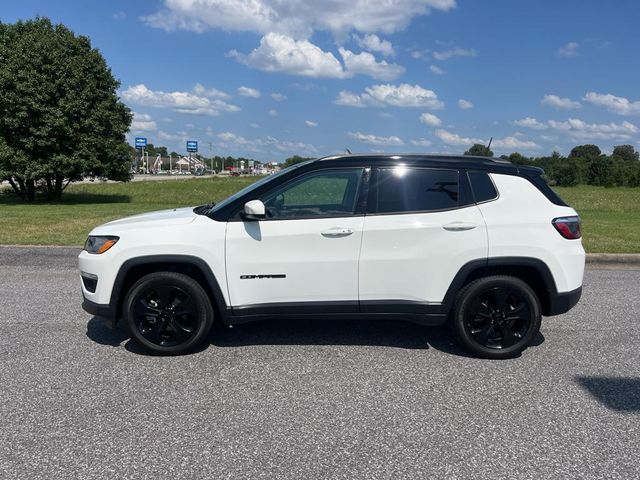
307	400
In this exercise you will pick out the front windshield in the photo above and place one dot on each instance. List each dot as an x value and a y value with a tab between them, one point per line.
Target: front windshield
257	184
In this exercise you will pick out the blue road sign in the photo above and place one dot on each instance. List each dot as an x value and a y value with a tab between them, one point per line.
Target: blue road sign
141	142
192	146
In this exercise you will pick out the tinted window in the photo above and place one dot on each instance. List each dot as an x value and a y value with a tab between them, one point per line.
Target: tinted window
328	193
406	189
483	188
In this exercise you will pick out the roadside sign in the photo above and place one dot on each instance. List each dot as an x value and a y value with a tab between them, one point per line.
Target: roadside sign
141	142
192	146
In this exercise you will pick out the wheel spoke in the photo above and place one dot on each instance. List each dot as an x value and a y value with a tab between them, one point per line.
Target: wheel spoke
508	336
150	331
501	296
483	334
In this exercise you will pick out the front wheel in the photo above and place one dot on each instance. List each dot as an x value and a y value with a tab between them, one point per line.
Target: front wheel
168	313
496	317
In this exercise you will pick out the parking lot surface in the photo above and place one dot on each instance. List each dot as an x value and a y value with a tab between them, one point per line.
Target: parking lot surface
370	400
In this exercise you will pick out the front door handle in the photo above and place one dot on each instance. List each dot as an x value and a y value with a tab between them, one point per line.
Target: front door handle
459	226
337	232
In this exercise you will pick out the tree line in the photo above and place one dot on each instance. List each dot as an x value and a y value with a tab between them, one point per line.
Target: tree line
585	165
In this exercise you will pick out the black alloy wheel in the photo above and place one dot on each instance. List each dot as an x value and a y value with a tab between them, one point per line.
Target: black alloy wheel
165	315
496	317
168	313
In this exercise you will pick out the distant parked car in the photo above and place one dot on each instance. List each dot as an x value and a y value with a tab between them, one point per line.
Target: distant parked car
478	243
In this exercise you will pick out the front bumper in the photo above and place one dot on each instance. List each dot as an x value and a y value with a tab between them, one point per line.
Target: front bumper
107	312
563	302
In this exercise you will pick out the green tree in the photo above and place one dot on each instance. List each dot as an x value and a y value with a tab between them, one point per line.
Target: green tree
479	150
585	151
517	159
60	114
625	152
154	151
293	160
567	173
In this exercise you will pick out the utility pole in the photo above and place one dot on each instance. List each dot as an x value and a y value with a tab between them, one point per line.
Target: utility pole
211	156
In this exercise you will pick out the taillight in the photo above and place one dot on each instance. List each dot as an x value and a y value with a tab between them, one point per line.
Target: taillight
569	227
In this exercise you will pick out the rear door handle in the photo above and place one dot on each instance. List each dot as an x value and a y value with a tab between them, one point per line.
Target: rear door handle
459	226
337	232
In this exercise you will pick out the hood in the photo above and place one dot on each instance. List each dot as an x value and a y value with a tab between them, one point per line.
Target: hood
162	218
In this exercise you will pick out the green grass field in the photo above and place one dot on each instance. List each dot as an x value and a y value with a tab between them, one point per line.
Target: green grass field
611	216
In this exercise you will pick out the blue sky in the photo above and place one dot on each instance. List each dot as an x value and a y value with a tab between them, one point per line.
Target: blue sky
267	79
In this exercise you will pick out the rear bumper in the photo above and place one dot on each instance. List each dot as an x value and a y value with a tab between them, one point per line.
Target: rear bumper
99	310
563	302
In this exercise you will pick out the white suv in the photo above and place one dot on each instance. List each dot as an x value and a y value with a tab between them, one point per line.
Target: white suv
477	242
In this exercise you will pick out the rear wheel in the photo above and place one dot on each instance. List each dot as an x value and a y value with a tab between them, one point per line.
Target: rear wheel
168	313
496	317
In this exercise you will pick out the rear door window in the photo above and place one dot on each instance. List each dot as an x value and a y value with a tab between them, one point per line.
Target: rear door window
402	189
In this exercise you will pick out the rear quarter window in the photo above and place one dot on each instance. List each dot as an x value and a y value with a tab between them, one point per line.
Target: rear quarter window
482	186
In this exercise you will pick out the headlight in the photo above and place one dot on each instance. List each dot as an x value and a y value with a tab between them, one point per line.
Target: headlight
100	244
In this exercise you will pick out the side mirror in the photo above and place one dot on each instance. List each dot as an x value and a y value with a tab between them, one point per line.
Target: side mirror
254	210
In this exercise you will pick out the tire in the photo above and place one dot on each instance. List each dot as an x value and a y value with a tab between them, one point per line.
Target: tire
168	313
496	317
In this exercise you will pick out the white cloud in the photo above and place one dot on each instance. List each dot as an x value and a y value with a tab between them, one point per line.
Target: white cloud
278	97
454	52
143	122
568	50
273	112
430	119
561	103
248	92
298	19
510	142
530	122
350	99
464	104
365	63
375	139
172	137
201	90
421	142
311	124
200	101
119	15
455	139
238	143
280	53
581	130
513	143
403	95
373	43
619	105
436	70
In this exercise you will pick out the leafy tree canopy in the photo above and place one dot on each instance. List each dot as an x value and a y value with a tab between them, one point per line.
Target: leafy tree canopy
61	116
625	152
293	160
479	150
585	151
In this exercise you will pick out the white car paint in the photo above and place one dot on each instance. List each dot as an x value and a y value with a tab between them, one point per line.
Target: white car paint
319	258
414	257
519	224
410	257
